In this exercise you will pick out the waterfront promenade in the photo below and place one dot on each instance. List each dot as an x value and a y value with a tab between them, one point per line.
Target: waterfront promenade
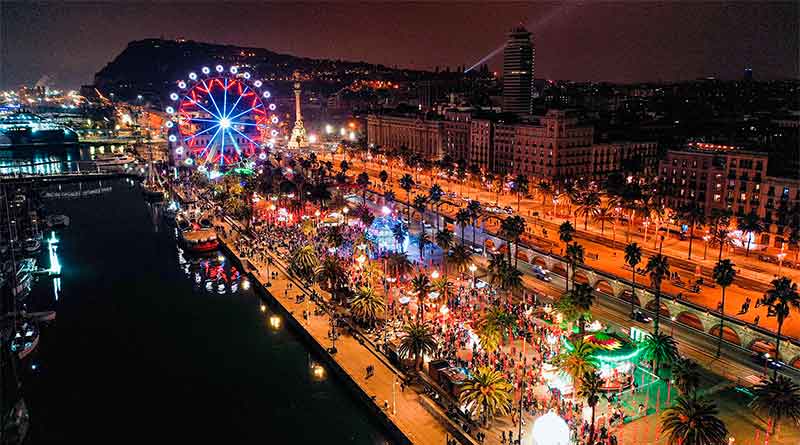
405	410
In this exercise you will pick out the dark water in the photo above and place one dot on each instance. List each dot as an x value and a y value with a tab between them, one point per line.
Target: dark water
139	353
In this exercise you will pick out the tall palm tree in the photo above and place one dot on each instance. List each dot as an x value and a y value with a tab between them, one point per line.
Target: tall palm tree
582	298
750	224
460	257
383	177
577	362
544	189
575	256
633	256
520	187
407	183
493	326
366	306
435	197
417	341
420	204
399	263
511	229
588	206
422	286
474	208
463	218
778	399
692	421
444	239
400	233
487	393
330	273
660	349
691	214
686	376
605	214
590	389
566	232
781	299
362	181
724	273
423	241
658	268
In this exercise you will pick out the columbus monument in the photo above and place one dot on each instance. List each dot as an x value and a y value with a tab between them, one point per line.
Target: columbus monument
299	139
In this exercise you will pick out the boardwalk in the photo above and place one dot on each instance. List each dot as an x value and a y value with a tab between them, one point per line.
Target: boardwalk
407	413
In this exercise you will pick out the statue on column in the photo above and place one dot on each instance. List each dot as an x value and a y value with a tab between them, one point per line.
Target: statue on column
298	139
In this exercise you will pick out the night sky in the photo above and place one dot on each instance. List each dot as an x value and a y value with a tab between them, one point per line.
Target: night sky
621	42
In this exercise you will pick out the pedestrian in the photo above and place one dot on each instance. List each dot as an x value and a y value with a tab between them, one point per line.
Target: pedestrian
756	320
402	386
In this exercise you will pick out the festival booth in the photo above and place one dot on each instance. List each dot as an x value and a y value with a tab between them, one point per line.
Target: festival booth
615	354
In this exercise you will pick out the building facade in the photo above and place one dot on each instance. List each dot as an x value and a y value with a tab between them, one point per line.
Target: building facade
422	136
518	67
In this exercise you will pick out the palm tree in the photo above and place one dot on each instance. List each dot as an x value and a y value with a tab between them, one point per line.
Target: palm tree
362	180
474	208
778	399
574	256
407	183
422	286
590	389
487	393
443	285
520	187
686	376
544	188
724	273
604	215
400	232
577	362
417	341
691	214
781	299
692	421
658	268
383	177
331	273
511	229
304	261
435	196
660	349
423	241
633	256
750	224
566	232
420	204
493	326
366	305
444	239
462	219
460	256
588	206
510	279
582	299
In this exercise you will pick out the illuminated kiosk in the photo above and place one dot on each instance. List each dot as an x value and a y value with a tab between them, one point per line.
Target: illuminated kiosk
380	232
615	354
550	429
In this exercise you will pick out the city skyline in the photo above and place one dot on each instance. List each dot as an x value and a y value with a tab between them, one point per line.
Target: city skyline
616	43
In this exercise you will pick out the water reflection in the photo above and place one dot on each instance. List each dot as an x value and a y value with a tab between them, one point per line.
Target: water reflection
212	272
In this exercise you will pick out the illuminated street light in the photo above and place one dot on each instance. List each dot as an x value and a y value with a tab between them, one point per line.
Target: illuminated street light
342	131
312	138
263	308
472	268
386	211
435	274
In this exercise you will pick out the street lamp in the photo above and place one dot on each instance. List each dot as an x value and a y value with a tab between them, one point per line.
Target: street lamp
781	256
473	268
706	238
435	274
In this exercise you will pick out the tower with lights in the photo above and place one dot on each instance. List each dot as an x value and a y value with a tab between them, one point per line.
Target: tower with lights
299	138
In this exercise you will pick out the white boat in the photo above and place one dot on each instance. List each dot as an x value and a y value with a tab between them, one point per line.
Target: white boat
57	221
26	339
21	285
32	245
116	160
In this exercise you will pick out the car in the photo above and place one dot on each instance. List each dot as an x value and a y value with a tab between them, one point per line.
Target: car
427	225
509	210
542	273
763	359
477	249
452	195
641	317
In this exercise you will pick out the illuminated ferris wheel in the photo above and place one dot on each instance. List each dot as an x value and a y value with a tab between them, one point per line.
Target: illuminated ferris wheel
219	118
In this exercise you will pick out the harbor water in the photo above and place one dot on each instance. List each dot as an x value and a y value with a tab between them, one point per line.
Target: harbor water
143	351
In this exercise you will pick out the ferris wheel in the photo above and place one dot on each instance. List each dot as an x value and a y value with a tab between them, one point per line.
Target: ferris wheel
219	118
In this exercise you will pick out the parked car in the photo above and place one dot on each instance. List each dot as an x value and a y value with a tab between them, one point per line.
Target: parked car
763	359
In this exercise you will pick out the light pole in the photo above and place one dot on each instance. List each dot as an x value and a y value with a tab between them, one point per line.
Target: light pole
781	256
394	395
705	251
473	268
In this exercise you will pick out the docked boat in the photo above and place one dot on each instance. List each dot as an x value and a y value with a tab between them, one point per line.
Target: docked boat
152	188
196	233
26	339
20	283
32	245
114	161
57	221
